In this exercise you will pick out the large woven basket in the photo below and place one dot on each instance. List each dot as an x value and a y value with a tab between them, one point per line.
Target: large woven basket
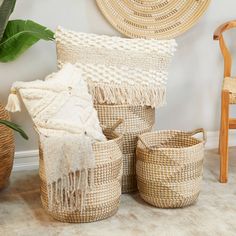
102	201
169	168
7	149
137	120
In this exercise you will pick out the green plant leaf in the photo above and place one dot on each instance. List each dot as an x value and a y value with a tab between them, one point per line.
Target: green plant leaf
20	35
14	127
6	8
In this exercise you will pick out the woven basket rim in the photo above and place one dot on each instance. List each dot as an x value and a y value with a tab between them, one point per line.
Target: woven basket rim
174	149
200	142
118	105
119	137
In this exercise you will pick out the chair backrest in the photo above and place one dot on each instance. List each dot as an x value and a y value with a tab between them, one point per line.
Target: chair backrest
218	35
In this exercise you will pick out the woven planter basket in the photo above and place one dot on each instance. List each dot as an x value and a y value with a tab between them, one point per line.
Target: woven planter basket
103	200
7	149
137	120
169	168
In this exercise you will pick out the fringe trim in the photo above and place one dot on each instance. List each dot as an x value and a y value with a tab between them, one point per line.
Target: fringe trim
69	193
136	96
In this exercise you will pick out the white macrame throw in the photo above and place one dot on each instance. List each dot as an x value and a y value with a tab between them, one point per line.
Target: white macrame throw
69	164
67	123
118	70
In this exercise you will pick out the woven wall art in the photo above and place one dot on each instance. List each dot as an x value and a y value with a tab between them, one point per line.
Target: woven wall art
159	19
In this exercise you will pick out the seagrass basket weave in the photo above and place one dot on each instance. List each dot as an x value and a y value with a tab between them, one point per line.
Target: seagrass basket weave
159	19
7	149
136	120
102	201
169	167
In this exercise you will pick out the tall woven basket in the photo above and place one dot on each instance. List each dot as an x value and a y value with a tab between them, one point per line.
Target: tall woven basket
137	120
102	201
169	167
7	149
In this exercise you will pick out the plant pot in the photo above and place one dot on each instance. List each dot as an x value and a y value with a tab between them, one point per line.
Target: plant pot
7	149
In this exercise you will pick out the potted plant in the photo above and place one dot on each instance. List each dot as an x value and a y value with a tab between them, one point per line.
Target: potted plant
16	36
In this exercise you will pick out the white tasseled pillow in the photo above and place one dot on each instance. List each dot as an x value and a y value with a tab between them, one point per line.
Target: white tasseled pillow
61	104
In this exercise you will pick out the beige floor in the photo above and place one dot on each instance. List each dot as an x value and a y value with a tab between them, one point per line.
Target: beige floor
214	213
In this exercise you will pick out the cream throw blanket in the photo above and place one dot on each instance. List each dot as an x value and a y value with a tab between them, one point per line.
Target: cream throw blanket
67	123
118	70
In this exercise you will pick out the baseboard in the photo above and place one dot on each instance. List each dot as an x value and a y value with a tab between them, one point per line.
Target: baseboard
213	139
26	160
29	160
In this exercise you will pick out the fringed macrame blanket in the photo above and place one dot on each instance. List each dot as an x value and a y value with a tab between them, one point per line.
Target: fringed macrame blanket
67	123
119	70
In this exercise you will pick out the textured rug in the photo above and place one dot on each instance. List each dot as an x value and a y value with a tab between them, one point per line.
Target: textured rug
21	212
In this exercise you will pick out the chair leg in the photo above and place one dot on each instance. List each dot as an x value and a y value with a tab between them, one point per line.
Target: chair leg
224	131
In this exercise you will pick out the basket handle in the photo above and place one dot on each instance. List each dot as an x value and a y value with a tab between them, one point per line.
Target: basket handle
112	128
197	131
118	122
143	142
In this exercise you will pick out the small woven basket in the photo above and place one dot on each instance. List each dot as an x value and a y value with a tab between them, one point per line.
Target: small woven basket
169	167
103	200
7	149
137	120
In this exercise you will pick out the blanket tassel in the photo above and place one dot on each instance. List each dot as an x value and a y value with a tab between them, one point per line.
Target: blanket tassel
13	104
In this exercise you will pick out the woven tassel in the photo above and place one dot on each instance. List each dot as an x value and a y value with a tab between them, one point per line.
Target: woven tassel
13	103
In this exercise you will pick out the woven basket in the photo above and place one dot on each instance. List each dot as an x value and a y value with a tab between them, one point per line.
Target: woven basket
7	149
137	120
103	200
169	167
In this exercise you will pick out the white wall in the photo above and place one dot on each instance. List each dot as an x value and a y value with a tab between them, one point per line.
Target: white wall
195	75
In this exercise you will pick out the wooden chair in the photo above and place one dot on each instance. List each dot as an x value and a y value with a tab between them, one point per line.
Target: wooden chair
228	97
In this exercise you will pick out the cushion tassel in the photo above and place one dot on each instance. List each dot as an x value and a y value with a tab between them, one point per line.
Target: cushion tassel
13	103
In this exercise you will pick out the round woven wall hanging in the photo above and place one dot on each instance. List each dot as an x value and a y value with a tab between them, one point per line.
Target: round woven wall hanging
157	19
